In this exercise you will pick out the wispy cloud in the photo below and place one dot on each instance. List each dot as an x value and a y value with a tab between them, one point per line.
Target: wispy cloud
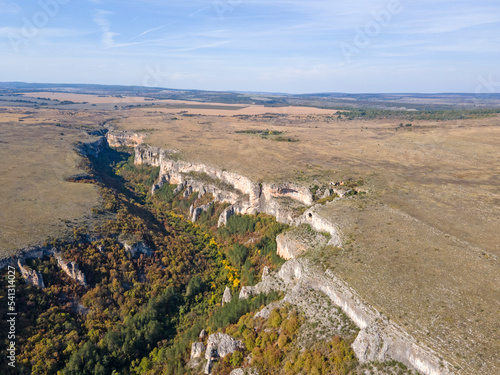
203	46
107	38
149	31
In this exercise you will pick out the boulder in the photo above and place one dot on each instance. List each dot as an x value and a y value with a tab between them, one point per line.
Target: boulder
218	346
197	349
244	371
72	270
138	248
246	292
226	297
203	334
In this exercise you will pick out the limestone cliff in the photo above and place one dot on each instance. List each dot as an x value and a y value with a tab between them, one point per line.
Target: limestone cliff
243	195
30	276
218	346
379	338
297	241
72	270
121	138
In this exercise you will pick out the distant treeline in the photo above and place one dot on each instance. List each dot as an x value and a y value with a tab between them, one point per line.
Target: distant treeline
436	115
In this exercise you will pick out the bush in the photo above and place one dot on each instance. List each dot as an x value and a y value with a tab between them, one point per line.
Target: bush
236	358
275	319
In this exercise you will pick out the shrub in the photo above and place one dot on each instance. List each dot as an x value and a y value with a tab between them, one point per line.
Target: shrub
236	358
275	319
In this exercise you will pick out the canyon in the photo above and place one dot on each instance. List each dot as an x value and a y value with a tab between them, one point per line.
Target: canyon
379	338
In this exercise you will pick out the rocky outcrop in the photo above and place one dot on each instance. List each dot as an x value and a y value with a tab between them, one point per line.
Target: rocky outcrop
244	371
243	195
265	272
379	338
195	212
246	291
197	349
30	252
218	346
226	297
138	248
293	243
122	138
232	210
295	192
31	276
72	270
288	248
202	335
321	224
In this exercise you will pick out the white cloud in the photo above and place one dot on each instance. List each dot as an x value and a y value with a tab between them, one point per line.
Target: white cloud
108	36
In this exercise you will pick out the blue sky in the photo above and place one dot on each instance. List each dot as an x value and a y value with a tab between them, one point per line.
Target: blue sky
295	46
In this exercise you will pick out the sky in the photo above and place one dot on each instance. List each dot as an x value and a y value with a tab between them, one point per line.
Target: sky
292	46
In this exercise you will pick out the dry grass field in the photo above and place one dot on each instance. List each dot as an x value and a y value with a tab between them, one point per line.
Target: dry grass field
37	156
423	245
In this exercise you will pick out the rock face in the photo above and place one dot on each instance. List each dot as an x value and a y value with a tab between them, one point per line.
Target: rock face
246	371
197	349
218	346
379	339
297	241
246	292
31	276
226	297
72	270
321	224
92	148
138	248
122	138
245	196
196	212
203	334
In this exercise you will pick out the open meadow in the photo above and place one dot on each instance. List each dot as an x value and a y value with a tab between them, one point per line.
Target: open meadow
37	156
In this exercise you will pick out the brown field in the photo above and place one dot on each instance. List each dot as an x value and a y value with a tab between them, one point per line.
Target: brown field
251	110
423	245
79	98
36	201
191	107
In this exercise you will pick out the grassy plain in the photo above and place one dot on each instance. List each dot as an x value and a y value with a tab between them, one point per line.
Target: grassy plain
37	156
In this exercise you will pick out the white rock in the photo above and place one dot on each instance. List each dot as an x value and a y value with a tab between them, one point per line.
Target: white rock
197	349
226	297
